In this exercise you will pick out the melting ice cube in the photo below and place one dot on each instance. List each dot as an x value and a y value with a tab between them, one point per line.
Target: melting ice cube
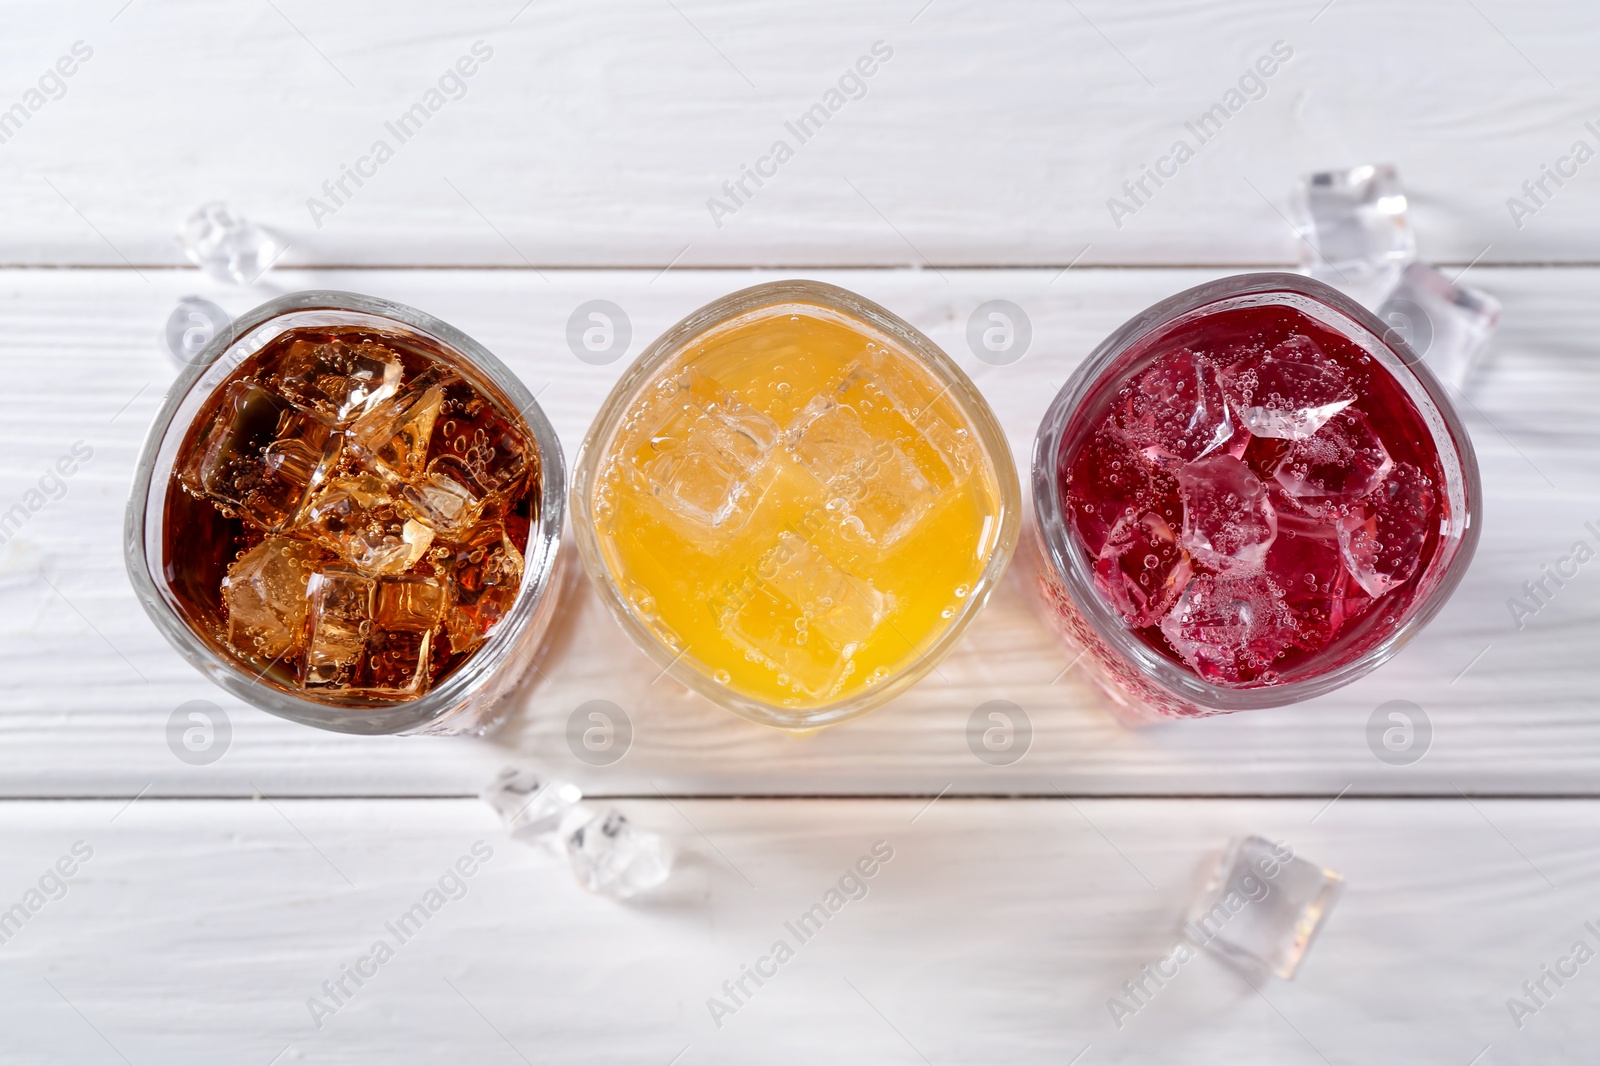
340	619
1382	541
265	592
874	486
1230	630
1228	519
705	452
1142	569
613	857
1175	409
1356	234
531	806
356	517
894	404
339	379
1288	392
261	455
802	616
1340	463
227	246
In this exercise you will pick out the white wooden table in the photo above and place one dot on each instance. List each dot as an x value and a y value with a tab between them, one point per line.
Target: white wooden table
976	166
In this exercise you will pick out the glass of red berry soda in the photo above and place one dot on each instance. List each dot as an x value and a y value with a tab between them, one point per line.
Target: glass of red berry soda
1250	494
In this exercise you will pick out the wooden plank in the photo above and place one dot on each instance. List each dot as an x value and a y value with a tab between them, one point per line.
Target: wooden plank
91	685
597	134
996	933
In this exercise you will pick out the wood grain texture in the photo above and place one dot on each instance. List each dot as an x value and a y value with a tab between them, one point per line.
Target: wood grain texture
91	684
995	934
597	133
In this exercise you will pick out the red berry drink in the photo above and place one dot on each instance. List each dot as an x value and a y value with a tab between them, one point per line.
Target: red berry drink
1247	496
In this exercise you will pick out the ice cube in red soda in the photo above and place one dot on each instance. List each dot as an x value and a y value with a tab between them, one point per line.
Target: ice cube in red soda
1253	493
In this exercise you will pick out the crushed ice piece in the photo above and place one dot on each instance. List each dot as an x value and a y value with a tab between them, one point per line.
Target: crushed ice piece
874	486
1262	906
1340	463
1446	323
1382	541
1142	569
1110	481
1175	409
357	518
610	856
1288	392
1230	630
1355	231
532	807
265	594
1228	520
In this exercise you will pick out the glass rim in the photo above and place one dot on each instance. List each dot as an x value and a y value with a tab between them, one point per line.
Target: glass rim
641	372
1071	564
540	559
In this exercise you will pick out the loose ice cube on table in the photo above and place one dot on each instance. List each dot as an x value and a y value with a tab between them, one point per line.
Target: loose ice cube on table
261	455
1354	229
1142	569
1262	906
873	486
1175	409
335	377
1289	391
531	806
1382	541
357	518
611	856
1339	464
265	593
704	452
1228	520
1230	630
340	619
1446	323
